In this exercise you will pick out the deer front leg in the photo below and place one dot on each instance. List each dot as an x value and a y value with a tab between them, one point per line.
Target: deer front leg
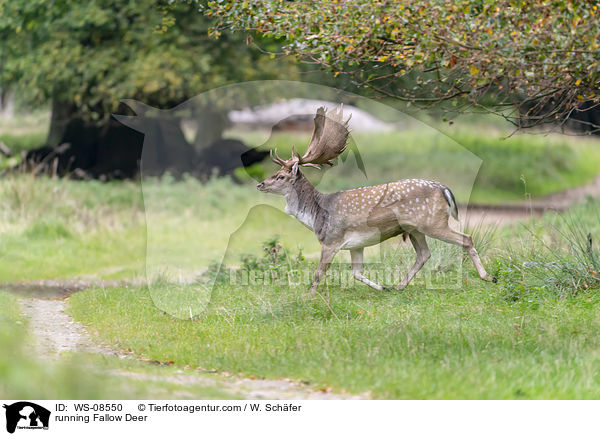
357	262
327	255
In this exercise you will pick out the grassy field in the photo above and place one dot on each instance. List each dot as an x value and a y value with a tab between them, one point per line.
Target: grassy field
449	335
124	229
57	228
533	335
467	343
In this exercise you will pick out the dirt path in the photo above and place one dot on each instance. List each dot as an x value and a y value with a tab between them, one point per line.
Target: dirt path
55	332
507	213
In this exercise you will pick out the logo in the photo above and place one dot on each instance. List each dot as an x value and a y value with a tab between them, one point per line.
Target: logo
26	415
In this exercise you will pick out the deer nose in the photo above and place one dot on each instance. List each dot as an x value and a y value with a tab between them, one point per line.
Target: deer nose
260	185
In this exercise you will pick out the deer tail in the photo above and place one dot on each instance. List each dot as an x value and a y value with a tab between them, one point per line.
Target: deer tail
449	196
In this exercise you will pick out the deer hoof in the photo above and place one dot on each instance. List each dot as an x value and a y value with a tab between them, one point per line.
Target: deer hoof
494	279
387	288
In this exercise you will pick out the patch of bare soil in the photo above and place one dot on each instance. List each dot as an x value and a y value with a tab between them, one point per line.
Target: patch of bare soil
55	331
507	213
250	389
59	288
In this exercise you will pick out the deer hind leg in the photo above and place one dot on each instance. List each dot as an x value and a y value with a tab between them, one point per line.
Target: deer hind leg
356	255
327	255
465	241
419	243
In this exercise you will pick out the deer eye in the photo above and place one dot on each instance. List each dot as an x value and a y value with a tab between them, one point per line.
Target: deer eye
280	177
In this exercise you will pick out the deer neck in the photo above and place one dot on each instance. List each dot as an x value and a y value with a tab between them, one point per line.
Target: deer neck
305	203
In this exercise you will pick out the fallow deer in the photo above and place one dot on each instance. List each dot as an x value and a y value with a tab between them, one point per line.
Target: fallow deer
358	218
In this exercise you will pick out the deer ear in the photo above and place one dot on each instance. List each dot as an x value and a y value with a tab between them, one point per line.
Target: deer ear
295	169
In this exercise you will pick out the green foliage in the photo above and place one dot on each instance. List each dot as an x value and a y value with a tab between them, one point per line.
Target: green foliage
276	265
431	50
93	54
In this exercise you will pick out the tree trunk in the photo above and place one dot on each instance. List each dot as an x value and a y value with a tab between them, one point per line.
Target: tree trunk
210	126
7	103
62	113
116	150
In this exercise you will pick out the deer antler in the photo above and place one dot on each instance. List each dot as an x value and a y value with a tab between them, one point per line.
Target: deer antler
329	138
277	159
297	158
328	141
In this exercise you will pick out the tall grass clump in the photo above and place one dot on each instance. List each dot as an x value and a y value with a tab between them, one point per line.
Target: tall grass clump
32	203
576	268
557	255
69	228
275	264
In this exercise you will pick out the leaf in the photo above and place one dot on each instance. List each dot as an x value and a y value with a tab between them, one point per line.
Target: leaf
474	70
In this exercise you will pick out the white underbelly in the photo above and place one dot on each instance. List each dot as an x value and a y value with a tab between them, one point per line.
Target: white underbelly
360	239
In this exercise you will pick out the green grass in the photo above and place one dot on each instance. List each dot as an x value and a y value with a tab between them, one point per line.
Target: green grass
18	144
522	338
109	230
70	229
511	168
22	133
23	142
468	343
125	229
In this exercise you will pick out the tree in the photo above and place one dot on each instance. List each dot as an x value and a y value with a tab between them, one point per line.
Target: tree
532	62
84	57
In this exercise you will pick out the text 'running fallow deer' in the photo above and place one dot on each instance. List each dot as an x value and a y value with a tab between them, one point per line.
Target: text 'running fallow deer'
358	218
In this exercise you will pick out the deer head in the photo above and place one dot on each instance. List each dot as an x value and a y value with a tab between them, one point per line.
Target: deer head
328	141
